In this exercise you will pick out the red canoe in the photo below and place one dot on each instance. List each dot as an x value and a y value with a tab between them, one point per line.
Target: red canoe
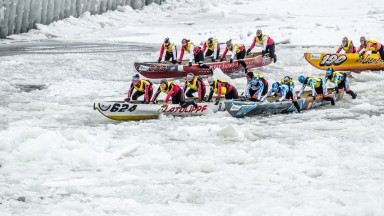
154	70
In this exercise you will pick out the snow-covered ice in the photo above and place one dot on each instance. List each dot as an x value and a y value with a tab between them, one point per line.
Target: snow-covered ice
67	159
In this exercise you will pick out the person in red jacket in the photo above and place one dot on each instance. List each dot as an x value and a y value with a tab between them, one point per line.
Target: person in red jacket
173	91
170	51
237	49
213	48
347	46
195	52
267	43
370	45
142	87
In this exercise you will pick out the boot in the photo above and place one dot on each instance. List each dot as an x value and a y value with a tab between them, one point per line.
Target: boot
194	104
246	70
330	99
275	59
354	95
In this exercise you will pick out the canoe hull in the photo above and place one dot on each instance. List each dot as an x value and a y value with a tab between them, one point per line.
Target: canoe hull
240	109
154	70
345	62
123	111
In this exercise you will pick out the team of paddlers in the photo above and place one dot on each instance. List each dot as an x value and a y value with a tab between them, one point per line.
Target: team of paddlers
257	86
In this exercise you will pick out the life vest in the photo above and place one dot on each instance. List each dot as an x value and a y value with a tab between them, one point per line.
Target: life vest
168	48
140	86
188	46
260	40
169	86
317	81
346	48
193	84
240	48
290	84
223	87
373	47
332	77
212	46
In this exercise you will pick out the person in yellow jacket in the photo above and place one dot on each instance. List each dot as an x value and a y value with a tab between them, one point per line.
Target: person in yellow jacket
222	88
317	87
370	45
142	87
238	50
267	43
195	84
170	51
347	46
213	48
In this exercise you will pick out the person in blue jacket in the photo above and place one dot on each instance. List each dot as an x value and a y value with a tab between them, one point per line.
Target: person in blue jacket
340	80
286	93
254	89
317	87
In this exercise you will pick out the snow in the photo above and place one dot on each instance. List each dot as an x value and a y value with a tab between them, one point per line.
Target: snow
67	159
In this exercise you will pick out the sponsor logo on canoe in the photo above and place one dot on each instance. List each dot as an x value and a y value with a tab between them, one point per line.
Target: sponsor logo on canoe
235	107
143	68
329	60
117	107
315	56
370	60
157	68
189	109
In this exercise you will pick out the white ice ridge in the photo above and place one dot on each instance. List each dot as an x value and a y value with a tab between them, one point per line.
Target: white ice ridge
19	16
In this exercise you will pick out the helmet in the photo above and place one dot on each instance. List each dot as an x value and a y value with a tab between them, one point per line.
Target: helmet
229	43
301	79
286	79
163	81
136	78
210	40
259	32
345	41
250	75
363	40
210	80
166	40
329	71
275	86
190	76
255	81
184	41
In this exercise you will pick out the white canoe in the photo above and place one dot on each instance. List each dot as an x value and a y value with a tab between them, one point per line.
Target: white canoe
123	111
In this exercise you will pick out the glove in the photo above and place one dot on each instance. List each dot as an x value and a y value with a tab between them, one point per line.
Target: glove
155	102
361	54
263	53
213	60
277	100
127	99
248	51
179	63
298	97
174	62
221	59
314	97
231	60
159	60
189	64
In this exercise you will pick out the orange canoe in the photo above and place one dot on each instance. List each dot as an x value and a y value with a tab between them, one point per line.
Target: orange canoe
345	62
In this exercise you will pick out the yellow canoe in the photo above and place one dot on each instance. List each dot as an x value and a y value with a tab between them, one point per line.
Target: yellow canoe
345	62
